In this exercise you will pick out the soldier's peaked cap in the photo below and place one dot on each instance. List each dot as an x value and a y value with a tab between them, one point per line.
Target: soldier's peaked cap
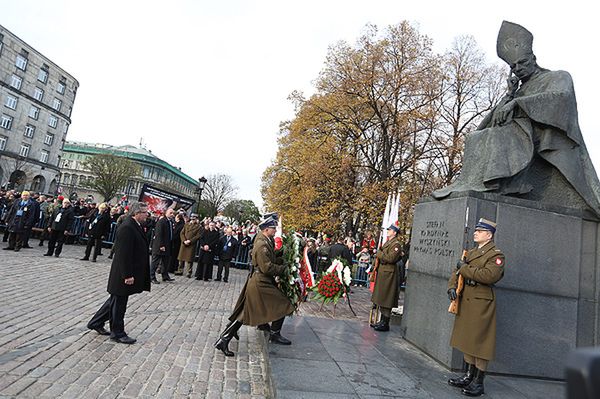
485	224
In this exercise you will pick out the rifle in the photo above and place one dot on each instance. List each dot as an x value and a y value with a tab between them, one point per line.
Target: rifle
453	308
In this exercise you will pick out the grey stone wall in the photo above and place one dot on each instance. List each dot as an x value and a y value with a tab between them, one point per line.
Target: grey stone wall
547	302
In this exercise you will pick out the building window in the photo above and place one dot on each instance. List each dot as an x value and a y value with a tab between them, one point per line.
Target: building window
52	121
1	44
29	131
16	82
38	94
43	74
34	112
2	143
24	152
60	87
44	156
49	139
65	128
11	102
6	122
21	62
56	104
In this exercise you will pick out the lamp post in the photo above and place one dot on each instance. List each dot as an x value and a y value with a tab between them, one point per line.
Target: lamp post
201	183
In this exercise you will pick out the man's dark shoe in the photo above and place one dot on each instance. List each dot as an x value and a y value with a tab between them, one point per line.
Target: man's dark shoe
44	254
84	259
41	244
26	247
198	278
264	327
276	338
93	260
217	279
154	281
110	256
124	340
168	279
17	249
206	279
56	256
225	280
9	248
100	330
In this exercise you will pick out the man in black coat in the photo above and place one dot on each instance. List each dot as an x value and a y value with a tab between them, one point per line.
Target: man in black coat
227	251
61	222
340	250
209	242
98	227
129	274
19	220
161	247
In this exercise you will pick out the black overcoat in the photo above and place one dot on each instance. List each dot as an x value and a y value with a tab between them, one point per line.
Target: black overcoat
101	227
130	260
19	224
210	238
66	219
163	236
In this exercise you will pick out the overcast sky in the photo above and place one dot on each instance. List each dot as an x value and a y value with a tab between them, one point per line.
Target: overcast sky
205	83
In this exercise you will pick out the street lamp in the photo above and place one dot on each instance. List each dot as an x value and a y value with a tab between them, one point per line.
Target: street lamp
201	183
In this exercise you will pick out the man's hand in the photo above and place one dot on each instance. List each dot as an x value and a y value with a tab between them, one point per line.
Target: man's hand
129	281
460	264
162	249
206	247
452	294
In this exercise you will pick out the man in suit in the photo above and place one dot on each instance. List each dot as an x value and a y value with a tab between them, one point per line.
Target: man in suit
61	222
20	219
161	246
129	274
209	242
227	251
98	227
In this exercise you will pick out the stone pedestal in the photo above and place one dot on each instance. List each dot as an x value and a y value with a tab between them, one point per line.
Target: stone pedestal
548	300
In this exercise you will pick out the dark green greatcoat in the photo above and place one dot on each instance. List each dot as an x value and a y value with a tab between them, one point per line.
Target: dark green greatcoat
386	292
474	330
261	301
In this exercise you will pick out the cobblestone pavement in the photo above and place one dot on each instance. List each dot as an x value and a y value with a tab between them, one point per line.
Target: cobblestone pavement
46	351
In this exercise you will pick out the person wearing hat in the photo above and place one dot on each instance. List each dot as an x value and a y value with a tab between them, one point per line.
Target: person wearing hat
474	332
385	293
260	301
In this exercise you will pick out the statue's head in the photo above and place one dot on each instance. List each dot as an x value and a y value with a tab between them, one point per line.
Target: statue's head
514	46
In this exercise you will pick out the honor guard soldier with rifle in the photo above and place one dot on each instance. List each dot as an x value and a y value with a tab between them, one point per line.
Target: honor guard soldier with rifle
474	332
386	291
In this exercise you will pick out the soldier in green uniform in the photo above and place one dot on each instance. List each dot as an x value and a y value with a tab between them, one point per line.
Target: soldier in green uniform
474	332
260	301
385	294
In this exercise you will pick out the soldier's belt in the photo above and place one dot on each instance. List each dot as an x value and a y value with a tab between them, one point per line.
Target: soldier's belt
473	283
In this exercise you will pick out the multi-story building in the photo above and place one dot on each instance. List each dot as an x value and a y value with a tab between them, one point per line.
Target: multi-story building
36	100
75	178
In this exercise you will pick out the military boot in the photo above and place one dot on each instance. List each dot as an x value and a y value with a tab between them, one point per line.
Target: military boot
461	382
475	388
222	343
384	325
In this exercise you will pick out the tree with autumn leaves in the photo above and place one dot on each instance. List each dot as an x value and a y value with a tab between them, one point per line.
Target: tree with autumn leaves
388	114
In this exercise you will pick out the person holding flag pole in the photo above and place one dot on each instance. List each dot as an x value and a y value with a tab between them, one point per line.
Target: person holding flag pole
386	289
